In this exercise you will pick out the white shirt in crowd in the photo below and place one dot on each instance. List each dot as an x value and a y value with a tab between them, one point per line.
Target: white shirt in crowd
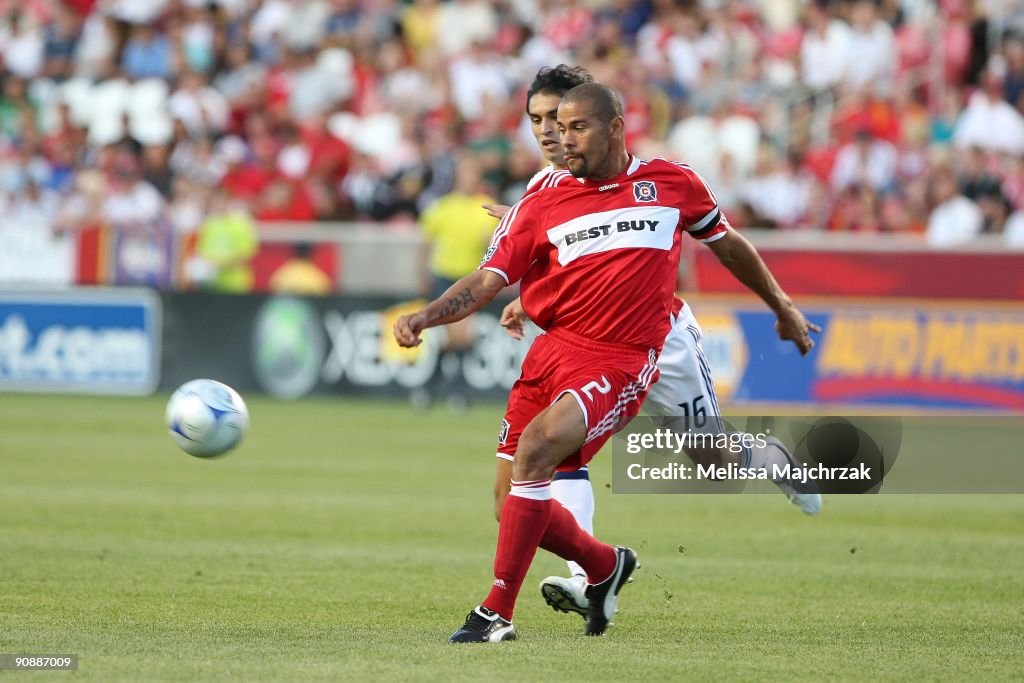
956	221
874	165
991	124
823	57
870	57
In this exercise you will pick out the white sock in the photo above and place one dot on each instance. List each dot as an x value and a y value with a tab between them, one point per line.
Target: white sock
534	490
577	496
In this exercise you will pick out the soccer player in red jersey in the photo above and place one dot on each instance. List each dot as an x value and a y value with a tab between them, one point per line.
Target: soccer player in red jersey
597	259
684	387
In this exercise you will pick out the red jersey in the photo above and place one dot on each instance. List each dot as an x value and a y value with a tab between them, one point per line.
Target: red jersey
599	259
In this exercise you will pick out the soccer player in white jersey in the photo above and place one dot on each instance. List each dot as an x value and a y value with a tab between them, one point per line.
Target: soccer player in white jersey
685	385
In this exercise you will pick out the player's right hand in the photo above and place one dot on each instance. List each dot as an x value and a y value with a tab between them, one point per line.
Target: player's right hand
513	319
791	325
496	210
407	329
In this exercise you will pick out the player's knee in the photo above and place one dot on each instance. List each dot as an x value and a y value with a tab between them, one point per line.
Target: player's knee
540	436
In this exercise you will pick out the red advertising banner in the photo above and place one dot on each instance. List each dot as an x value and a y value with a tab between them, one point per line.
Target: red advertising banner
924	273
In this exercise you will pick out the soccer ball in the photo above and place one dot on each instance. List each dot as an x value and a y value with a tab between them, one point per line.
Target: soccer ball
206	418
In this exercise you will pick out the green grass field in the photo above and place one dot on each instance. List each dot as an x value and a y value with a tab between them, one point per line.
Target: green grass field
346	540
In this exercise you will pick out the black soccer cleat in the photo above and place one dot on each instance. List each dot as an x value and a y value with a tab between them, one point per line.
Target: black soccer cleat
484	626
604	595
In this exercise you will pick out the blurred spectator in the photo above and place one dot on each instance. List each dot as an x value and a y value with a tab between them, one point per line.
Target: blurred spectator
299	275
1013	81
1013	235
135	217
480	77
955	218
522	166
871	52
129	201
974	174
463	23
421	21
778	193
15	109
989	121
995	211
867	161
226	243
458	230
147	54
197	39
60	40
156	170
825	48
284	200
201	107
195	159
32	205
23	51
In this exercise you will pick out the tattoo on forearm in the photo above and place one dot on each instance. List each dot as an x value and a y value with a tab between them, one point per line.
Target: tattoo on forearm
453	305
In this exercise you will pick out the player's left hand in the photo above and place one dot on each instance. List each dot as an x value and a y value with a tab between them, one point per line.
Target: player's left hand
791	325
407	329
496	210
513	319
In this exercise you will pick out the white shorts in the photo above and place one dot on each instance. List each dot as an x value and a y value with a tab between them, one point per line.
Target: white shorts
685	387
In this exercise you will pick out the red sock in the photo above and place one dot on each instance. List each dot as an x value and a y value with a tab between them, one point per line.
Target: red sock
564	537
523	521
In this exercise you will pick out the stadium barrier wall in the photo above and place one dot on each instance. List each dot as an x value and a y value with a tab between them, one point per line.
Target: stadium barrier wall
872	353
375	259
873	266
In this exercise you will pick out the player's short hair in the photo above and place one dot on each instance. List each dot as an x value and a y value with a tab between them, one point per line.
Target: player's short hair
605	102
557	80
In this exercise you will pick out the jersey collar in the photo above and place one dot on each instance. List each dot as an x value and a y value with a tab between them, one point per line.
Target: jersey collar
634	165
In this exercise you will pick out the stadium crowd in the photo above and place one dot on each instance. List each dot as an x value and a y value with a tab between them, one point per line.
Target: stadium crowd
841	115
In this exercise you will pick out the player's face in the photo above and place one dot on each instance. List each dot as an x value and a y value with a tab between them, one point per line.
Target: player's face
586	140
542	110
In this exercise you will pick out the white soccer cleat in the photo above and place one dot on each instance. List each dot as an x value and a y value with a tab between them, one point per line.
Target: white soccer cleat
566	594
804	495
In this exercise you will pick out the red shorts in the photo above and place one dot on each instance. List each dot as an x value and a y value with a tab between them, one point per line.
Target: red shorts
609	383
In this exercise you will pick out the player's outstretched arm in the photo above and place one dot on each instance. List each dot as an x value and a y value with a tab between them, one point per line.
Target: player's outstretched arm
741	258
496	210
465	297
